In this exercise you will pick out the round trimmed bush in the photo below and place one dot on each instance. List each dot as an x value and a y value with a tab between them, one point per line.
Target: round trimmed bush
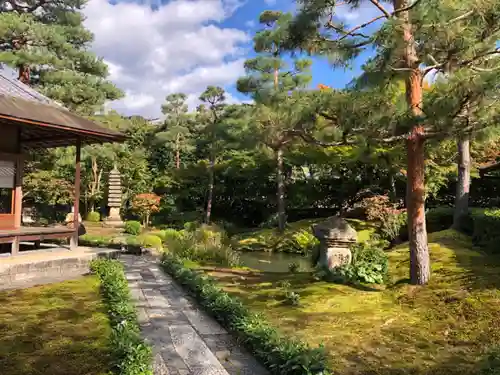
132	227
94	217
151	241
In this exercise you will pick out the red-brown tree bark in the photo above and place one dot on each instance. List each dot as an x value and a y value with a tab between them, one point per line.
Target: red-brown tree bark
415	148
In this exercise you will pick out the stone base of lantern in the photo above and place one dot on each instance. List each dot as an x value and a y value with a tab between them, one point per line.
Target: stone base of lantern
114	220
333	257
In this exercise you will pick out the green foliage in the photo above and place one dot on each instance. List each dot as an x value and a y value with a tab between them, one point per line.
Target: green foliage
484	226
369	265
305	241
50	42
439	218
292	298
203	245
281	355
94	217
132	227
150	241
96	240
394	226
131	356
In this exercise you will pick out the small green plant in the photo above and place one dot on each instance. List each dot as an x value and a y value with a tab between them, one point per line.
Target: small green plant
131	356
292	298
305	241
93	217
293	267
132	227
369	265
285	284
150	241
392	225
191	226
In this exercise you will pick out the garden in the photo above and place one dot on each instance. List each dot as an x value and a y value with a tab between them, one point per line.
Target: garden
405	151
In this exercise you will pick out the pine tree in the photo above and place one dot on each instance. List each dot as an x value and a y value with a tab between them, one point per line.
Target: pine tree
270	80
46	42
406	45
176	128
214	98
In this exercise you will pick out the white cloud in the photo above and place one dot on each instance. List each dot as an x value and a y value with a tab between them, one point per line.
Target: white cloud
178	46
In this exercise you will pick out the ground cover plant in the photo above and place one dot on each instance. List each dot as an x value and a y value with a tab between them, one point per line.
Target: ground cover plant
55	329
444	328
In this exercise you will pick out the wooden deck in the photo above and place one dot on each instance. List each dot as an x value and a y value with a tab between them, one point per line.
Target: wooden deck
32	234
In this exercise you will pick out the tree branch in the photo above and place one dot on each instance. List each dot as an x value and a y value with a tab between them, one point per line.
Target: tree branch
381	8
354	29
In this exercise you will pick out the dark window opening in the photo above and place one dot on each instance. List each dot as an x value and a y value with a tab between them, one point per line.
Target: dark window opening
5	201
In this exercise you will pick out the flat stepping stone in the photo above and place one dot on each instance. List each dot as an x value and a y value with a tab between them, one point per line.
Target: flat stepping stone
184	339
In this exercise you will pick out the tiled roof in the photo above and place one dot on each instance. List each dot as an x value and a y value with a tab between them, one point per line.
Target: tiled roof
22	105
16	89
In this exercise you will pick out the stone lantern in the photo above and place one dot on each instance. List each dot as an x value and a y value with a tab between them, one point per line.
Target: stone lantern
114	198
335	236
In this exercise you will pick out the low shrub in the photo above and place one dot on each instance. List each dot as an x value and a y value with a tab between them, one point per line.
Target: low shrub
94	217
130	355
305	241
394	226
281	355
369	265
170	234
439	218
132	227
191	226
485	228
203	245
150	241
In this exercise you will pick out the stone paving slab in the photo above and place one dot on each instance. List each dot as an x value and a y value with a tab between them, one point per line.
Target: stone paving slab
185	340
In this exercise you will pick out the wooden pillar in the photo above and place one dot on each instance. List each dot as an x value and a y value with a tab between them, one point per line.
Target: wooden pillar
18	192
76	206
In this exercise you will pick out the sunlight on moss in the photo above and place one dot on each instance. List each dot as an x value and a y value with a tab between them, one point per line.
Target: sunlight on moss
442	328
54	329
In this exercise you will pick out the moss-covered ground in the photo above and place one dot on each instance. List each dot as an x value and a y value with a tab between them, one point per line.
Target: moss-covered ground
446	327
55	329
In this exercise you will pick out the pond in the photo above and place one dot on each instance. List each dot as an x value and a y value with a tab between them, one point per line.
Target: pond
273	262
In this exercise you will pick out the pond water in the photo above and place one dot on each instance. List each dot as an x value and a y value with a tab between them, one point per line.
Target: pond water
273	262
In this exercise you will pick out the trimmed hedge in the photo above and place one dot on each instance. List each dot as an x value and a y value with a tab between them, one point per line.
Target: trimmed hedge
132	244
484	226
279	354
94	217
132	227
131	356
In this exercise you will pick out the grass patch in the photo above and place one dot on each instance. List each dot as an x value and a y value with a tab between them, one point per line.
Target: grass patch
55	329
271	240
443	328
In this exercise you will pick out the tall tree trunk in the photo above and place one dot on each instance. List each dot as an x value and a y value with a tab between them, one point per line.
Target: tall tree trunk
280	190
393	196
211	179
177	152
415	148
463	182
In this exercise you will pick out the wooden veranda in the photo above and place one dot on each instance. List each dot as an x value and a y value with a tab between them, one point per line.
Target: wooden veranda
28	121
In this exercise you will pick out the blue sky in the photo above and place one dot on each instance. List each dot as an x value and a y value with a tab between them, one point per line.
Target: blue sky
322	70
157	47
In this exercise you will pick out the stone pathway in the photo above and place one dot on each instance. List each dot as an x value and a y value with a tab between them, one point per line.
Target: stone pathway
185	340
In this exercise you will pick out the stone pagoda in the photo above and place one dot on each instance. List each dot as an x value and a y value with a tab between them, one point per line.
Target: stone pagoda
114	198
